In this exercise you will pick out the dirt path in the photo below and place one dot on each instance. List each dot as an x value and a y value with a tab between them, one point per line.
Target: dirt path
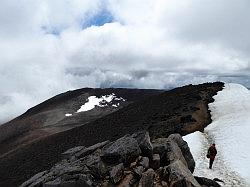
219	170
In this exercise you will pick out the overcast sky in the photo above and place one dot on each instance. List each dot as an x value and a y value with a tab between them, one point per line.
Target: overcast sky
51	46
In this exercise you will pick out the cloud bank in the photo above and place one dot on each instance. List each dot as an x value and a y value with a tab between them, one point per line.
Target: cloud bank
48	47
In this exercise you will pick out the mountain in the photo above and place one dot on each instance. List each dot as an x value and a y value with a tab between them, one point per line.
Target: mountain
181	110
50	117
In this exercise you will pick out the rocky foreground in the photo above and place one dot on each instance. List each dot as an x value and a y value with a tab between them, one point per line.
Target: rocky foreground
132	160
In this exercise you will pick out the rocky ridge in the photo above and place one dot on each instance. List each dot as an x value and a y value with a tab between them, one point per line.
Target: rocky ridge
132	160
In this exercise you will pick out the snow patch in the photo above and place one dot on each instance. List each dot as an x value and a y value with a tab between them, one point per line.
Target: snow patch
101	102
67	115
195	142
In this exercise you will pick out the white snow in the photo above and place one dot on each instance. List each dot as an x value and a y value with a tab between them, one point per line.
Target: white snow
231	127
101	102
230	131
68	115
195	142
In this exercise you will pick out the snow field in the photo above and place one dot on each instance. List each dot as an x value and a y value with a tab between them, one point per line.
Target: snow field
94	101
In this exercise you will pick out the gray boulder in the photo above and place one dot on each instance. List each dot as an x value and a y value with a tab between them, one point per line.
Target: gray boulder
184	149
147	179
71	152
125	149
144	142
178	175
90	149
156	161
116	173
138	171
168	150
144	162
34	179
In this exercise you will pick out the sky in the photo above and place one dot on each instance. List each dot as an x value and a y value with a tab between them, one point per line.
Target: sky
48	47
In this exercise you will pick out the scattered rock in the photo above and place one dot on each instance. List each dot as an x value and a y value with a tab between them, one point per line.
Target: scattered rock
90	149
71	152
159	146
178	175
156	161
128	161
168	150
218	180
138	171
116	173
144	162
125	149
144	142
207	182
147	179
128	181
164	184
34	178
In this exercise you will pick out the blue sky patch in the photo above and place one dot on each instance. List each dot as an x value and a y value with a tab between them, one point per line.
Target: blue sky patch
99	19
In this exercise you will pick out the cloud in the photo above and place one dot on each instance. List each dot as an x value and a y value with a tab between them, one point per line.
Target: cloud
47	47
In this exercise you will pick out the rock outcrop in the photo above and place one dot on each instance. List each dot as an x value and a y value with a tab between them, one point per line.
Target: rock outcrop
129	161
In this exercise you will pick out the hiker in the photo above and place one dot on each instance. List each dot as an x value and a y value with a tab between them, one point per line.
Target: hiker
211	153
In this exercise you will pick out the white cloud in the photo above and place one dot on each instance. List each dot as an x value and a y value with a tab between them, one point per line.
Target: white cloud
150	44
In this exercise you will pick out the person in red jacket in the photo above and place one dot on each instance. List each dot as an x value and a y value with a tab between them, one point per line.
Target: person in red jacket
211	153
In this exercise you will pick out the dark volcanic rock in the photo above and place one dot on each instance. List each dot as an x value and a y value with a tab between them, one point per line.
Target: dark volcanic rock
207	182
178	175
125	149
116	173
90	149
138	171
144	142
156	161
144	162
96	167
168	150
147	179
69	153
184	149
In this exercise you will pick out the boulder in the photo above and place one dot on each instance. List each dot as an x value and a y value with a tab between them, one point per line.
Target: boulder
147	179
184	149
144	142
178	175
168	150
90	149
116	173
144	162
155	162
138	171
71	152
99	170
127	181
207	182
173	153
33	179
125	149
159	146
